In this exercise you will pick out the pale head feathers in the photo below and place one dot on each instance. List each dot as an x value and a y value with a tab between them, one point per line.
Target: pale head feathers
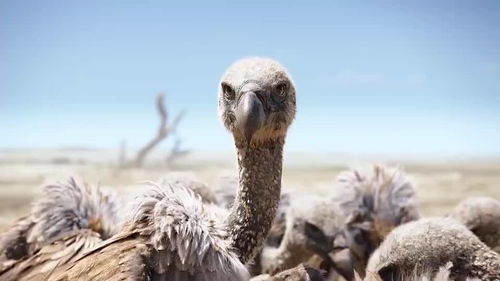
482	216
427	244
271	88
443	274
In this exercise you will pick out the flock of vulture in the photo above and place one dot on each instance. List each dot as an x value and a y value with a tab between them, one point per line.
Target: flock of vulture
247	229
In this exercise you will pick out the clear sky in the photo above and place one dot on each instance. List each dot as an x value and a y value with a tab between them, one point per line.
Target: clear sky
372	76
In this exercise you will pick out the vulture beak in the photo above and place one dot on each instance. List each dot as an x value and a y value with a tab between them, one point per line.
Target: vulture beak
342	263
250	114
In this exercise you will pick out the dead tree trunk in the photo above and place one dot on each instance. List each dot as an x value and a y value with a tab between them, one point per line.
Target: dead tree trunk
163	131
176	152
122	157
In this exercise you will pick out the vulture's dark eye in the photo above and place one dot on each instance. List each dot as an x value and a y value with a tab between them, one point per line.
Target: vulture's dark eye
228	91
280	91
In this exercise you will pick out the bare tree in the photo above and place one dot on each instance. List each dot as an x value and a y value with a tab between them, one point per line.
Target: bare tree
176	152
164	129
122	157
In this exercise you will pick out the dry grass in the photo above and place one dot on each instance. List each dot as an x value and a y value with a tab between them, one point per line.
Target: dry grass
440	184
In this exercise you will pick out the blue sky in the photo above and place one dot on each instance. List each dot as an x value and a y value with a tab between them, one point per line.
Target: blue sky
378	77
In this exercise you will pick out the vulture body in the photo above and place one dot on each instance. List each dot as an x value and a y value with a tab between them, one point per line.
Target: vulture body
425	245
374	202
208	196
312	224
69	218
443	274
481	215
298	273
172	234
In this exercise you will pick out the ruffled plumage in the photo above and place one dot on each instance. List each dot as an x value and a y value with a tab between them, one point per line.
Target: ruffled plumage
69	218
187	234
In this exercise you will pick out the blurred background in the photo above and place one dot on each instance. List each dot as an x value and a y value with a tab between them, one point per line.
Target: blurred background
414	84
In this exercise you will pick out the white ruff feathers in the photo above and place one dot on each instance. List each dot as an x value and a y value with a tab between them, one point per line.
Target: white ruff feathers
71	205
188	236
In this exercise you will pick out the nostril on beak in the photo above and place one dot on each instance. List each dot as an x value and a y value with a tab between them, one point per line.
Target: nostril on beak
259	96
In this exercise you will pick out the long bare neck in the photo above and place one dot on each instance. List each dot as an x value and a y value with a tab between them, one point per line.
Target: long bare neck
257	198
487	264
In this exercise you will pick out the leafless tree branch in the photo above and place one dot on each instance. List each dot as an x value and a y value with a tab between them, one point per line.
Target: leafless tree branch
177	120
176	152
162	131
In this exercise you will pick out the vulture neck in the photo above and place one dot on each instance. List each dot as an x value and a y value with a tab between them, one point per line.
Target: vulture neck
487	264
258	196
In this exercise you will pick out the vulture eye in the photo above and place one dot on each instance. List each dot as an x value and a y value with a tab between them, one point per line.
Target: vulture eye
280	92
228	91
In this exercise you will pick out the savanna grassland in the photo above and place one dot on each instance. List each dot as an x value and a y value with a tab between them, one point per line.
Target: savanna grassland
440	183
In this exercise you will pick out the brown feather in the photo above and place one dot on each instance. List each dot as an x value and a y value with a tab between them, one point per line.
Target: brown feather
61	251
170	236
13	244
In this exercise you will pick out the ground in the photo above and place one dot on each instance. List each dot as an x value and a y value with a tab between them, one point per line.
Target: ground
440	183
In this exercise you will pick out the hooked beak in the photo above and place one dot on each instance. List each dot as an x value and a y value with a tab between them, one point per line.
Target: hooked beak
327	246
342	263
250	114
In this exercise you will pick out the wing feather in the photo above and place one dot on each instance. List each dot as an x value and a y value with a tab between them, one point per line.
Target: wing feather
121	258
13	242
60	251
171	235
64	208
190	238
